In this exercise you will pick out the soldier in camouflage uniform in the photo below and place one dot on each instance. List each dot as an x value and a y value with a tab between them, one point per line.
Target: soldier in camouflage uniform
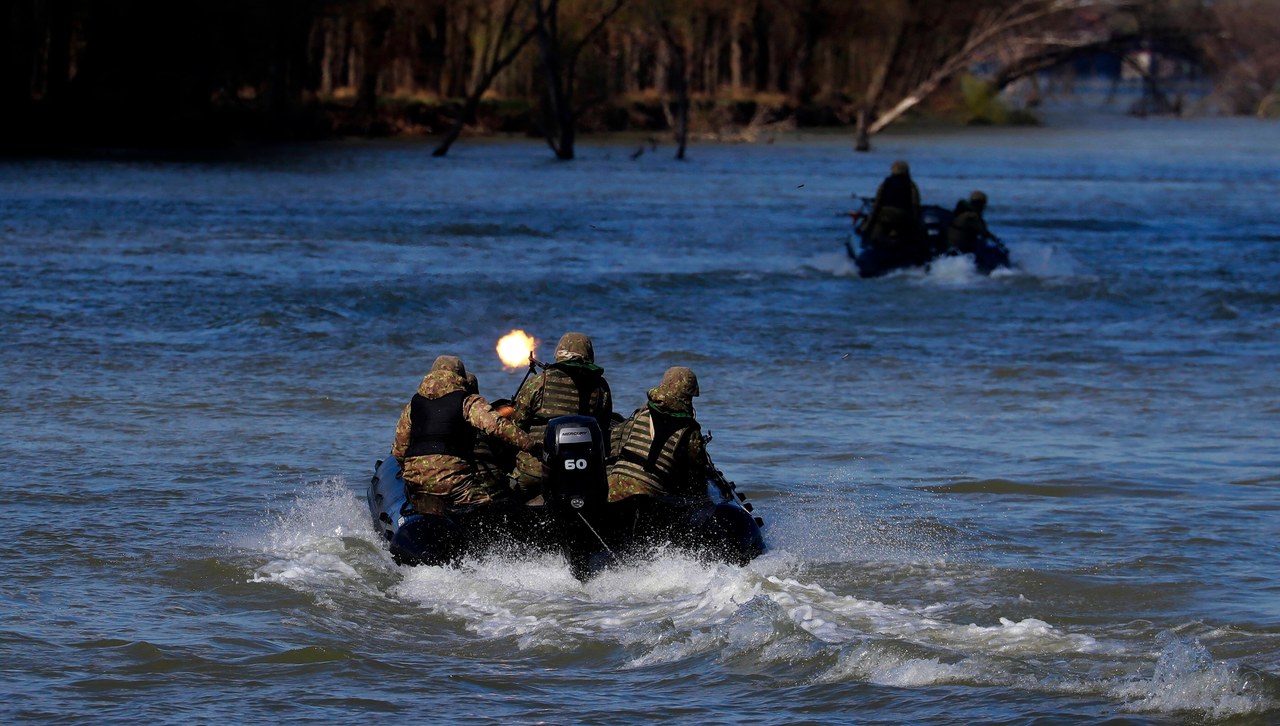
435	439
572	385
967	227
659	451
895	216
493	458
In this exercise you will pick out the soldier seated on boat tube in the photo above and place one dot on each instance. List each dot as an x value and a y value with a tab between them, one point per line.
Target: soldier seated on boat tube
572	385
659	452
435	440
967	227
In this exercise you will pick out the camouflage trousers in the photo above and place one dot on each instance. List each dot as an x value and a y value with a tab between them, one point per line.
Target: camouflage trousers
440	480
621	487
529	474
893	226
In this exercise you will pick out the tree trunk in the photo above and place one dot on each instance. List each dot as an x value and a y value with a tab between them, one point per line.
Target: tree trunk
326	57
662	69
560	67
862	137
568	134
875	91
558	138
378	25
467	112
735	50
490	61
680	66
763	65
1264	106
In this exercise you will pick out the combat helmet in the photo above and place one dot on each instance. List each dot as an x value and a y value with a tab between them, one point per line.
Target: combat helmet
678	387
575	347
450	363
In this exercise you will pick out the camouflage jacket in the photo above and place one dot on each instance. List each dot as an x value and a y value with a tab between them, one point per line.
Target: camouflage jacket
534	406
967	228
679	463
444	474
896	210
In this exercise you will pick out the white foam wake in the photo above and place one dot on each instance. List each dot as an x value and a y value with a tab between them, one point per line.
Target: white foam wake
673	607
309	544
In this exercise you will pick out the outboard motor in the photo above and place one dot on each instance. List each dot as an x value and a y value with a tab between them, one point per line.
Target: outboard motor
574	452
577	490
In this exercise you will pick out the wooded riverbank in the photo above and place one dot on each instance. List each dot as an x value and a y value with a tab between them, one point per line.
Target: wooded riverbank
147	72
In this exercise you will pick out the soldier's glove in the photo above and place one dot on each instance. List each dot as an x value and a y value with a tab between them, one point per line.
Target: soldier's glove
535	449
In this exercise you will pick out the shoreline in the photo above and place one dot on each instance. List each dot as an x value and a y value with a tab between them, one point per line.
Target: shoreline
59	128
184	140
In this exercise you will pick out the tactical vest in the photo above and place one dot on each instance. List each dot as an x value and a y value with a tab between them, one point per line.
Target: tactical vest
566	393
647	446
966	229
896	192
438	427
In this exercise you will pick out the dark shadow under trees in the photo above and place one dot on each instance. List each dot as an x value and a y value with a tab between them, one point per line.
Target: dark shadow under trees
146	72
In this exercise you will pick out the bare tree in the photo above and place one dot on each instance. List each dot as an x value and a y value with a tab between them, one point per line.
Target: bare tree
379	18
929	48
560	53
680	71
504	32
678	23
1247	54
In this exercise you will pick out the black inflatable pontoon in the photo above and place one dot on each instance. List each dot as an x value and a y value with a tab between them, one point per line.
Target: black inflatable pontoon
875	259
572	517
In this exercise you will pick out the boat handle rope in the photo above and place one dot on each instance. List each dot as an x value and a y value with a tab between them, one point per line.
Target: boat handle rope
597	534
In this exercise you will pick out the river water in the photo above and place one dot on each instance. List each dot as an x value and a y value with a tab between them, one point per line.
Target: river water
1046	496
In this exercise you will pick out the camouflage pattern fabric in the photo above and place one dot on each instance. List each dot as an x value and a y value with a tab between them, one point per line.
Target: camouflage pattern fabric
685	456
450	363
967	227
575	346
555	392
492	458
682	461
529	474
445	475
890	221
677	390
891	226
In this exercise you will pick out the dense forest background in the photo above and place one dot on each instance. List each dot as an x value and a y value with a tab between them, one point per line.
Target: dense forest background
146	72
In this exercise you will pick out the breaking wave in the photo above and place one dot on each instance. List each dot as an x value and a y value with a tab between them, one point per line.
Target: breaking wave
674	607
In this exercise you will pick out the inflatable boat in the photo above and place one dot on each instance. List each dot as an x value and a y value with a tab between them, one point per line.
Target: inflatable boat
874	260
572	515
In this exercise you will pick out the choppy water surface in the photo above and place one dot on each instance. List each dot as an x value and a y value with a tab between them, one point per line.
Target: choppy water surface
1048	494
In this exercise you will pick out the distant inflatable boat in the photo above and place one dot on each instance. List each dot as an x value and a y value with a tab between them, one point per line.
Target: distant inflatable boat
572	516
874	260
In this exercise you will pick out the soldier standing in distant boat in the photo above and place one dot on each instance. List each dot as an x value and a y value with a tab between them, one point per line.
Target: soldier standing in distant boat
895	215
